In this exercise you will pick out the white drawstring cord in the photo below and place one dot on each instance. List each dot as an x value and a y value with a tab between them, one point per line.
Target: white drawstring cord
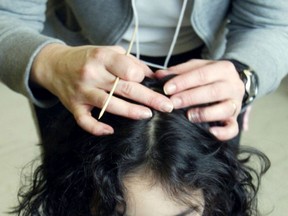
135	34
175	34
136	18
173	43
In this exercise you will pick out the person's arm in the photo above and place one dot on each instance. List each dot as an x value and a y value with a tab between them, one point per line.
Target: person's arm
215	84
258	37
21	22
80	77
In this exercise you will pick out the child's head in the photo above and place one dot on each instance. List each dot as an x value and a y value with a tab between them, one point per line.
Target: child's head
165	165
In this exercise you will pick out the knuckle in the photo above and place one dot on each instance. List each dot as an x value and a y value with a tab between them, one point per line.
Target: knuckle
95	98
80	119
151	101
214	92
202	115
99	54
84	72
202	76
129	73
229	66
87	72
126	89
182	83
98	98
131	69
100	101
187	100
133	72
154	100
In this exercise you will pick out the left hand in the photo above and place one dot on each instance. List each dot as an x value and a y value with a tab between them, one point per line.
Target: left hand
203	82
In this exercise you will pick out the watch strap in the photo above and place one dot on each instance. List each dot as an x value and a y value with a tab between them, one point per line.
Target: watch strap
250	81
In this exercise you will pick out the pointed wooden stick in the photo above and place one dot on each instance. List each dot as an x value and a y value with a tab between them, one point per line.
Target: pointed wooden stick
117	78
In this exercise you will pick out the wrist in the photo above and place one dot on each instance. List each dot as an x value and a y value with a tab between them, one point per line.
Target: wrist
45	64
250	81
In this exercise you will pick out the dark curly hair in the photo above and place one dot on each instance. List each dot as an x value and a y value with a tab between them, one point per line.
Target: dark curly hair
82	175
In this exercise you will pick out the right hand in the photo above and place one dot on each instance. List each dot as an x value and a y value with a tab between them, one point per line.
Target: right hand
81	77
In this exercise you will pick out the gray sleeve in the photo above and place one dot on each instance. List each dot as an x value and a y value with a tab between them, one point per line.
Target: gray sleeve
21	22
258	37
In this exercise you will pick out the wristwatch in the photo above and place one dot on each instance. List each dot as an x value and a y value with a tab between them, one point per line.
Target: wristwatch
250	80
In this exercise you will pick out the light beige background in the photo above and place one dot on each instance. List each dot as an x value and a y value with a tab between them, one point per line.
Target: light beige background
268	132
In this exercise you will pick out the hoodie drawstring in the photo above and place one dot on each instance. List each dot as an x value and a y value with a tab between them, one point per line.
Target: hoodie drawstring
173	43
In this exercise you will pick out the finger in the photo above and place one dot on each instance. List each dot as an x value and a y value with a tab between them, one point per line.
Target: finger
117	63
148	72
245	126
126	109
160	74
117	106
189	65
182	68
126	67
132	91
82	115
141	94
217	91
217	112
197	77
95	97
226	132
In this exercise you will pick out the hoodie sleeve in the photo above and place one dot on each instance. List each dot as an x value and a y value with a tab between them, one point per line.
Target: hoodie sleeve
21	23
258	37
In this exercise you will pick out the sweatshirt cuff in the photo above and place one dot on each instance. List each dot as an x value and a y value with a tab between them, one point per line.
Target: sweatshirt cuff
18	51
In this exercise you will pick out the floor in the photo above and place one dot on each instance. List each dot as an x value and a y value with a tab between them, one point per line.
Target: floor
268	131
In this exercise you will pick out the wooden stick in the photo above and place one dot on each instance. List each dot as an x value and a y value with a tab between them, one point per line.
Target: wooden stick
117	78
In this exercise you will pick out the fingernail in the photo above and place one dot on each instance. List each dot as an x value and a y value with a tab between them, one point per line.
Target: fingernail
169	89
177	102
107	132
214	132
193	117
167	107
145	114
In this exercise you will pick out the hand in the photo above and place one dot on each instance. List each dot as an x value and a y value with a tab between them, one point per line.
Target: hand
246	118
203	82
81	78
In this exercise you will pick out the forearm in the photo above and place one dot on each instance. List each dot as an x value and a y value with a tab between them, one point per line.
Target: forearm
269	64
258	37
20	42
18	52
44	65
